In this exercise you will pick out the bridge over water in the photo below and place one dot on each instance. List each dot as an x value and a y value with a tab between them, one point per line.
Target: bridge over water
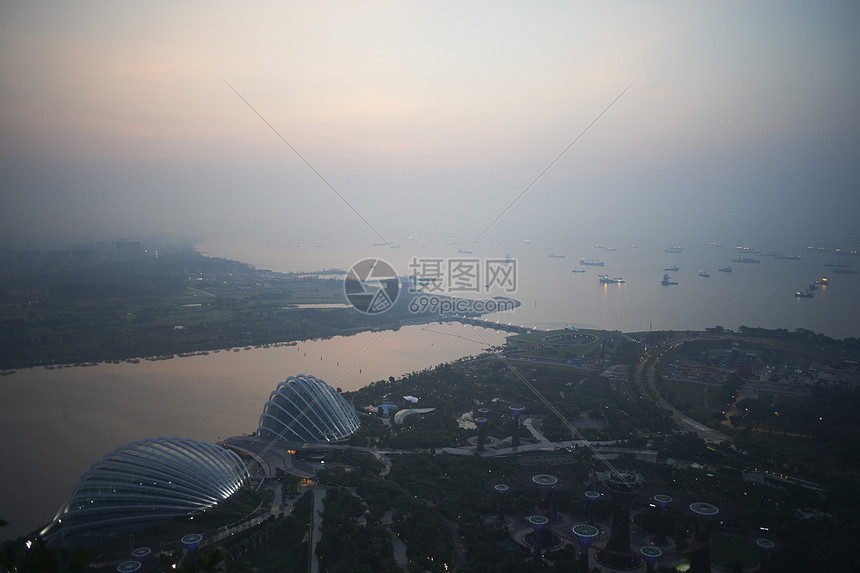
492	324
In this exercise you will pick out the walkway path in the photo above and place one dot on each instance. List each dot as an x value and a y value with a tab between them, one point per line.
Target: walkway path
316	526
278	498
529	423
399	550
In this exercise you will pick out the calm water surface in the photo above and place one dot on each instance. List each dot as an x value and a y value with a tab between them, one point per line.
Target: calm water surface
56	423
760	295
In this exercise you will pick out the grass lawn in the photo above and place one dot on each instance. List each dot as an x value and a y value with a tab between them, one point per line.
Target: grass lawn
725	550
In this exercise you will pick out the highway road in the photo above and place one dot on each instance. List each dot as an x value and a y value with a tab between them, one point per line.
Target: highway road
684	422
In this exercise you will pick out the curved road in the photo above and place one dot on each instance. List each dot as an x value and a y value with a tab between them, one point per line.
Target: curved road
685	422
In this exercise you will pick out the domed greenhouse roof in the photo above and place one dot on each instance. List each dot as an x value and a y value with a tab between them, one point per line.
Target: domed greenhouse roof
306	409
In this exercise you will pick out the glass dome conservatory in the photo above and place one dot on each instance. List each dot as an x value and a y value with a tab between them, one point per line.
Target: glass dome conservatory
146	483
306	409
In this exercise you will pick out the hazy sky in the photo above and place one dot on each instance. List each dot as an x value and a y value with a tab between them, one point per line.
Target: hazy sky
430	118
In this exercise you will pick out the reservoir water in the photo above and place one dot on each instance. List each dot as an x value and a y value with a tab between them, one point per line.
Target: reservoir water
753	294
56	423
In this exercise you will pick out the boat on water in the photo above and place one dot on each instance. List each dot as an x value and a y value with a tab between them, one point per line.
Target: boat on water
607	280
554	256
804	294
464	251
667	280
704	274
837	265
842	271
788	257
726	269
740	259
748	250
673	269
577	270
676	250
591	262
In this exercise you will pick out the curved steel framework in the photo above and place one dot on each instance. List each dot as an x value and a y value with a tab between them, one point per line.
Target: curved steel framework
306	409
146	483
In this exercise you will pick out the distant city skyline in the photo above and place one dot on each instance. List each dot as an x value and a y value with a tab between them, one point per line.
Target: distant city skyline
430	119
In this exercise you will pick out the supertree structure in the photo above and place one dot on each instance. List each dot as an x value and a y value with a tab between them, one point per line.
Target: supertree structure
765	546
622	487
538	522
651	554
516	411
662	501
584	534
546	485
703	515
191	541
141	553
501	489
480	422
591	496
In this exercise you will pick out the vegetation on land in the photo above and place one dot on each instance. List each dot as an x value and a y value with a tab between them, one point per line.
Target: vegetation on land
817	421
173	304
278	544
442	506
810	527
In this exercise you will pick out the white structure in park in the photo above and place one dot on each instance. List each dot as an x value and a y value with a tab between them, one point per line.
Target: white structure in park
146	483
306	409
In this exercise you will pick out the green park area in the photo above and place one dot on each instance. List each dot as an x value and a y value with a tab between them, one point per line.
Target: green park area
784	403
174	304
437	496
811	518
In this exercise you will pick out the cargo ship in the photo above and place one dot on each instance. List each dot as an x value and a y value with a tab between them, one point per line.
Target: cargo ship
666	280
607	280
591	262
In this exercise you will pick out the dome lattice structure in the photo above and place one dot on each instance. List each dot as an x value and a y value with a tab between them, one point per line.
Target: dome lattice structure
306	409
146	483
